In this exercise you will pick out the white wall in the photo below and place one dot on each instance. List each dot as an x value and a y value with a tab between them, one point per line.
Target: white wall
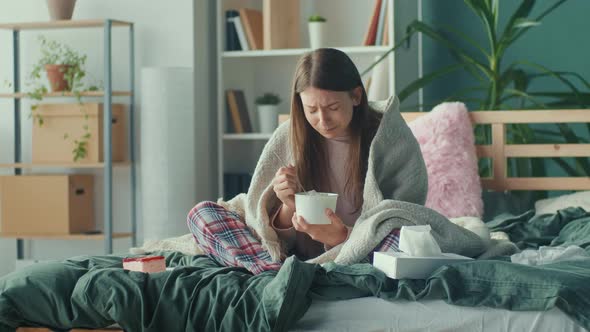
163	37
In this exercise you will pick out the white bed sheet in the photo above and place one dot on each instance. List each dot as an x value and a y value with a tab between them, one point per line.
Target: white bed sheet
374	314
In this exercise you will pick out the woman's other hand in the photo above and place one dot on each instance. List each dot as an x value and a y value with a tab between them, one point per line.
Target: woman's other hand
331	234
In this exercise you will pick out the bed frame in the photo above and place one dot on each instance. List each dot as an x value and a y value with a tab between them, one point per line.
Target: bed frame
499	151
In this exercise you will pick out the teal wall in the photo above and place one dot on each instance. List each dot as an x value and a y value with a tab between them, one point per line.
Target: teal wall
561	42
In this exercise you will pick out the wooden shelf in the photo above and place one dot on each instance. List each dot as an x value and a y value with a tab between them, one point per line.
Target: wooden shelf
248	136
96	236
299	51
62	165
67	94
63	24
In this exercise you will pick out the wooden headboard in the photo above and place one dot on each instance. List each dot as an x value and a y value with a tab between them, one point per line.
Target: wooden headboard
499	151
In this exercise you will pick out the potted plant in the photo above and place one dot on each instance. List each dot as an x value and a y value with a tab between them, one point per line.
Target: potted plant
268	111
65	69
63	65
61	9
502	83
316	31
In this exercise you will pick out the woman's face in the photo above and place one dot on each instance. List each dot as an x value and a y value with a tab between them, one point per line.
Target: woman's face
329	112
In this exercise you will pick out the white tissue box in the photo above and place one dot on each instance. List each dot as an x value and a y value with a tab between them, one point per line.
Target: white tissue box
399	265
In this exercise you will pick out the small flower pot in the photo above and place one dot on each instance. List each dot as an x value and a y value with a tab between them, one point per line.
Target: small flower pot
268	115
61	9
317	34
56	77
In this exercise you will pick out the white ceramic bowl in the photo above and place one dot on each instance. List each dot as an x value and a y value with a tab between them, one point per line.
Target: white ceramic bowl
312	207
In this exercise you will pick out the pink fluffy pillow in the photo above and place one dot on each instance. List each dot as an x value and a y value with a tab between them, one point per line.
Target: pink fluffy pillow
446	139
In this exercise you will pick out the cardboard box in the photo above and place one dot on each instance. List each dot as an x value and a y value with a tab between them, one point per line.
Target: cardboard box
49	144
46	204
399	265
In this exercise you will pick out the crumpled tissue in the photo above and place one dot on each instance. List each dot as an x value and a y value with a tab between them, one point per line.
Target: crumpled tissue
418	241
546	255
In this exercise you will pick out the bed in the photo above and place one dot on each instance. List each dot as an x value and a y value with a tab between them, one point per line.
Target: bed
198	295
371	314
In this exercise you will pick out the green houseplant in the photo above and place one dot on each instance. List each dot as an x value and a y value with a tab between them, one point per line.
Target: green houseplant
316	24
268	98
502	85
65	70
316	18
268	111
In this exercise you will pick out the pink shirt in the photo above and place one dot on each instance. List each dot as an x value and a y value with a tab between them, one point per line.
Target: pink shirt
305	248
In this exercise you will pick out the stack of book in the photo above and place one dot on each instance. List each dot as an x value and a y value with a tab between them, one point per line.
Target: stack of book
378	30
235	184
243	30
237	112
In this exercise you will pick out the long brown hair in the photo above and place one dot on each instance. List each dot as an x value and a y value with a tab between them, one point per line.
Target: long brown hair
330	69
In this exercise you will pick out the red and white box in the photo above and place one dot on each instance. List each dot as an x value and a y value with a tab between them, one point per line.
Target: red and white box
149	264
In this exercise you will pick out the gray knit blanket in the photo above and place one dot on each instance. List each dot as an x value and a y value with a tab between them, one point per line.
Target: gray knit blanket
395	190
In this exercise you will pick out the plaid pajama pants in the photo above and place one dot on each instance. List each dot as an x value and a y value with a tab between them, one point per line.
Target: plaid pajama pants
224	237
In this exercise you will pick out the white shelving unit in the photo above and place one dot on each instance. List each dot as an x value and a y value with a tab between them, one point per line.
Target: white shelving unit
259	71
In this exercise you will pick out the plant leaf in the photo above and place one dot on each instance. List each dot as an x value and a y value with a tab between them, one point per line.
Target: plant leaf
565	99
565	166
528	97
510	30
539	18
466	38
564	73
461	93
514	75
436	36
473	70
489	18
425	80
395	47
524	23
549	72
522	12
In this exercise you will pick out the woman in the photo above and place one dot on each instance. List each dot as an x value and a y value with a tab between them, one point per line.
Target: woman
330	134
332	127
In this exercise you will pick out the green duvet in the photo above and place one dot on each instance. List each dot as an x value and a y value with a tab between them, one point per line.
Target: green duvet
199	295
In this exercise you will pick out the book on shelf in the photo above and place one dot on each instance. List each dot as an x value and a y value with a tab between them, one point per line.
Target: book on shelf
252	24
241	34
245	180
235	184
385	39
377	30
371	33
230	186
231	35
238	111
381	24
